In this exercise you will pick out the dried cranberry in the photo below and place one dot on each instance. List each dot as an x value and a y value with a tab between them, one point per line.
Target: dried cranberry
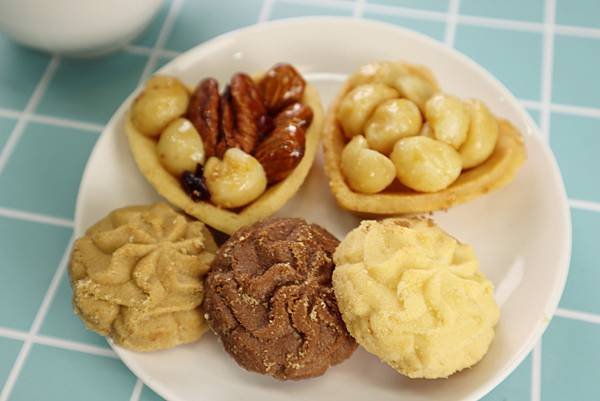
194	184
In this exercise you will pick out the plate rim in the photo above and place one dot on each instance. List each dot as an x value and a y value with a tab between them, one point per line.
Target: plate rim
534	133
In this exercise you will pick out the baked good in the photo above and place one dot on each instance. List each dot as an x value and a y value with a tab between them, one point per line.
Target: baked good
227	159
137	277
270	301
414	296
394	143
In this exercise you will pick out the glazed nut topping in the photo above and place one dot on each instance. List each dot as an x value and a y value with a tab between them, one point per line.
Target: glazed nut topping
180	147
424	164
392	120
236	180
356	107
415	89
163	100
366	170
482	138
448	118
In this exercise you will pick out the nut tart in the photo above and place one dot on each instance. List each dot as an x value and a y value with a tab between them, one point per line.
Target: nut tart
395	143
228	158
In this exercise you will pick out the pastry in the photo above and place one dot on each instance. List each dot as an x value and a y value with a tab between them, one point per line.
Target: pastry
394	143
137	277
414	296
227	159
270	301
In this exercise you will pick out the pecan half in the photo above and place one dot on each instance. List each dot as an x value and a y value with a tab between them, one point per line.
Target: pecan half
281	86
203	112
281	151
243	115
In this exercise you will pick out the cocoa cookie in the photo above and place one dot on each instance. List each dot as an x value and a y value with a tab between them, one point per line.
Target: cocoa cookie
269	298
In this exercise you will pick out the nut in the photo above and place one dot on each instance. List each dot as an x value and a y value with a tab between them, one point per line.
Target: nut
296	113
386	72
203	112
163	100
424	164
448	118
482	136
242	115
281	86
358	104
281	151
236	180
392	120
414	88
180	147
366	170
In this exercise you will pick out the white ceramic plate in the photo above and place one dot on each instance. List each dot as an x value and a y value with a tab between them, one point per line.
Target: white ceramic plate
522	233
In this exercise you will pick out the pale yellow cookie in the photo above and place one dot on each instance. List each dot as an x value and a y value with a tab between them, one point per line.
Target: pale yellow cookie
137	277
414	296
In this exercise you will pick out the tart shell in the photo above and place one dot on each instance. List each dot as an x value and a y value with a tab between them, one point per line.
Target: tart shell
274	198
497	171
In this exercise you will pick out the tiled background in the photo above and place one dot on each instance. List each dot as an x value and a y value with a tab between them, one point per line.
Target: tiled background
52	110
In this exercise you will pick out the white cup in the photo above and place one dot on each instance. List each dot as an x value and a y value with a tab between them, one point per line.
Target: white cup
76	27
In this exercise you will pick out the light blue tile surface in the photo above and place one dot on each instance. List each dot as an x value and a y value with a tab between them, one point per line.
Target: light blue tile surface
149	395
516	387
56	374
581	291
31	253
578	12
432	5
149	36
9	349
43	173
6	127
575	141
529	10
570	355
20	72
435	29
518	67
200	20
61	322
288	10
576	66
91	90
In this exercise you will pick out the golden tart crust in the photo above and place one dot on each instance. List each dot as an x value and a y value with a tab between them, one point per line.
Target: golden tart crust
146	157
497	171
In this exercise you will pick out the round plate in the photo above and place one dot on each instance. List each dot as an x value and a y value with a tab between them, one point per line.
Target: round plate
522	233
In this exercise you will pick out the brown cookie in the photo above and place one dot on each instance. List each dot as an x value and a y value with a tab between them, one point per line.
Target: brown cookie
269	298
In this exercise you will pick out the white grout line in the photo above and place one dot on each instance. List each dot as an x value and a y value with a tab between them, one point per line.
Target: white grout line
576	315
405	12
339	4
536	372
162	39
74	346
582	32
451	22
500	23
137	391
37	323
35	217
531	104
547	64
67	123
146	51
584	205
265	10
31	105
359	8
575	110
9	113
14	334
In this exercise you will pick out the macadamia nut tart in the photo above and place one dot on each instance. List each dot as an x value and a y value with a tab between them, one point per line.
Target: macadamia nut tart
228	159
394	143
